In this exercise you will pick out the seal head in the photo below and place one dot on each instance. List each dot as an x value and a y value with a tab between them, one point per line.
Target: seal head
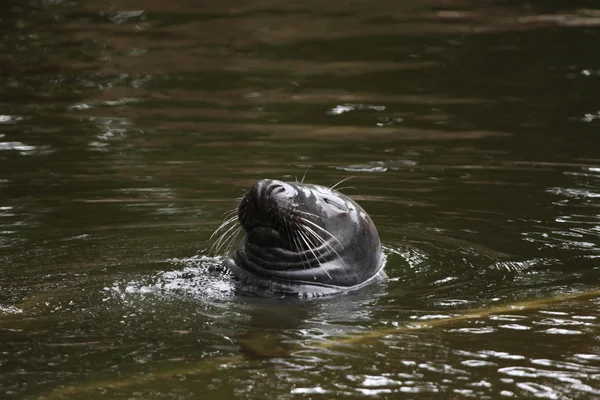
304	239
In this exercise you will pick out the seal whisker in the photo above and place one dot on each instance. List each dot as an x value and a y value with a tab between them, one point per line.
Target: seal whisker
323	241
233	239
343	180
322	229
319	239
229	240
222	236
299	247
315	240
288	230
304	177
226	222
214	249
312	251
231	216
223	225
308	246
229	213
219	241
310	214
345	187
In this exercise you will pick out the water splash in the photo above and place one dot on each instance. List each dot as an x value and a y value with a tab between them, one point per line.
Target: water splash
201	277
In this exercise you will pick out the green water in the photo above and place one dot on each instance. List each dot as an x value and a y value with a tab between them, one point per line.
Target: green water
128	128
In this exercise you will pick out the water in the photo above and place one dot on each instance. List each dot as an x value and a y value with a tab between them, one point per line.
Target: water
128	128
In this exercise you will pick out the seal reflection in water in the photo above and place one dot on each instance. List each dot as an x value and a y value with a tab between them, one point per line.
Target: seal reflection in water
304	239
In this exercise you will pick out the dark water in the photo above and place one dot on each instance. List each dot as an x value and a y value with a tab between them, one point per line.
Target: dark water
472	131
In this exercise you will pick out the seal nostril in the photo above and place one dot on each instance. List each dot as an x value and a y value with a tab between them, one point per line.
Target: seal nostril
277	188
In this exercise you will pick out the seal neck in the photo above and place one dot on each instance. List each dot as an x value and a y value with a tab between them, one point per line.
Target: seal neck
280	259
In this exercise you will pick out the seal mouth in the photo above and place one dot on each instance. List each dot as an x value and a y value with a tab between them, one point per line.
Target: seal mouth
266	236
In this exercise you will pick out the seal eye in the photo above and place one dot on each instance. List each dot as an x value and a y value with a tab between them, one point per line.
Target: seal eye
334	203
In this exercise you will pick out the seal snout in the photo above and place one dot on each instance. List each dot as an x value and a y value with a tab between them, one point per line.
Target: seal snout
268	193
264	194
262	211
262	203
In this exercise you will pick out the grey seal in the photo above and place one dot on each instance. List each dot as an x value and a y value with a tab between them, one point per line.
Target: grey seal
304	239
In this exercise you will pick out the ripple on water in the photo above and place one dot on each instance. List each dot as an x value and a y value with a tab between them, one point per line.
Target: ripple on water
374	166
572	229
201	277
575	375
10	310
17	146
309	390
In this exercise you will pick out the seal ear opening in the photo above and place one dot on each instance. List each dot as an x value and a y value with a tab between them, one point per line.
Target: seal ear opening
367	221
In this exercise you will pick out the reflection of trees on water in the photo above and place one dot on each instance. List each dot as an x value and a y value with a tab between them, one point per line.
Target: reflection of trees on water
257	52
412	69
33	53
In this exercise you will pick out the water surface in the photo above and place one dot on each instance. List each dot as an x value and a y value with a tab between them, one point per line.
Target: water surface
127	130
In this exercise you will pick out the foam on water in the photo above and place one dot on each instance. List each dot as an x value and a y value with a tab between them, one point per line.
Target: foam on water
201	277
